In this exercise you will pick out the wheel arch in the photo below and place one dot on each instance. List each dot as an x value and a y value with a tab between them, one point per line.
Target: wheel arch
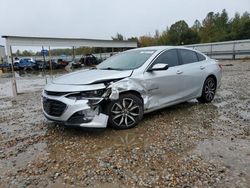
212	76
208	76
134	92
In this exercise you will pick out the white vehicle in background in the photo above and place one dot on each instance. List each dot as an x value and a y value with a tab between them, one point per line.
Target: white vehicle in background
127	85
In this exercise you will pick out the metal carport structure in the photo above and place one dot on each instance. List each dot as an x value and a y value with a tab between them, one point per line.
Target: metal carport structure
58	42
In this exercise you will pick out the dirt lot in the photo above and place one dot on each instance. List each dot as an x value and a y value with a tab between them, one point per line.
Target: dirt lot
191	144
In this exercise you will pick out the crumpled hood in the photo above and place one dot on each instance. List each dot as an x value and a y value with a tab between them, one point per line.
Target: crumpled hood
90	76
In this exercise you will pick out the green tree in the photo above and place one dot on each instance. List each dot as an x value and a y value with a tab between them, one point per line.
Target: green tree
197	26
176	32
221	26
239	27
27	53
147	41
163	38
207	29
245	31
118	37
190	37
157	34
180	34
83	50
18	53
235	26
133	39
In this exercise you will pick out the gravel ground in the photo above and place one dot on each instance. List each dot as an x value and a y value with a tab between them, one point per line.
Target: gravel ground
187	145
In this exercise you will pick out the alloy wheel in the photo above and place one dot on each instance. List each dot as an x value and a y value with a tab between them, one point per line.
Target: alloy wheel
210	88
125	112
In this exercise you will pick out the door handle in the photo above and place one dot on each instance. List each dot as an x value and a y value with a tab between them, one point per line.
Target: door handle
179	72
202	67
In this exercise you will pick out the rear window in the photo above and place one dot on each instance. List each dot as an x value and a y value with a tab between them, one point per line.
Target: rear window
200	57
188	56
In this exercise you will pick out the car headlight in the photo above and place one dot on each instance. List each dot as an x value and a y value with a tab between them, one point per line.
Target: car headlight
100	93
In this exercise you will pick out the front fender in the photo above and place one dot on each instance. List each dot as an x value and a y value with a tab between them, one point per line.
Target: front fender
129	84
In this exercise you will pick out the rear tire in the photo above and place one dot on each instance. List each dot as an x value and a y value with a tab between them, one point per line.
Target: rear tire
126	112
208	91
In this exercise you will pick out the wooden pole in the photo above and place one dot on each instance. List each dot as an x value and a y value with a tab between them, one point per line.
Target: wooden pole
13	82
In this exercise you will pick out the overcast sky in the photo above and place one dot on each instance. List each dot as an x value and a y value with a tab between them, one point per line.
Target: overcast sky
102	19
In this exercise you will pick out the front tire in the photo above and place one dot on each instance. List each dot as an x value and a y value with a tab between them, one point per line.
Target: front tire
126	112
208	91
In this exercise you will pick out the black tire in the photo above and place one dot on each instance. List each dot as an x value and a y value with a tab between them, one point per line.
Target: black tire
126	112
208	91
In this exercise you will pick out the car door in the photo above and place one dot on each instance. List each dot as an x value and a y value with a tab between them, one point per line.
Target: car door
192	73
163	86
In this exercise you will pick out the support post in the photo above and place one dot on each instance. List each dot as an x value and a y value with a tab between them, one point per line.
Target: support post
50	64
73	53
211	50
44	65
13	79
112	52
234	51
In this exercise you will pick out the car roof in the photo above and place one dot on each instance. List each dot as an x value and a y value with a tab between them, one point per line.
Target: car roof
162	48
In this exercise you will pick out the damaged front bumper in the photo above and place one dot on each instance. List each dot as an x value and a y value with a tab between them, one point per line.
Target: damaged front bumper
73	112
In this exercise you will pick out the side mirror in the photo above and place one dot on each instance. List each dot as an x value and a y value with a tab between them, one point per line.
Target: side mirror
158	67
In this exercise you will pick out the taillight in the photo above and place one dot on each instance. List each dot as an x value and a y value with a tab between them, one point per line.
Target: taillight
220	65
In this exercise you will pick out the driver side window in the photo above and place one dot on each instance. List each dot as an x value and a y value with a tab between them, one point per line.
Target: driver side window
169	57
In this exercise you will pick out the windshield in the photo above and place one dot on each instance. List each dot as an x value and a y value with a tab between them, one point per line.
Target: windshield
127	60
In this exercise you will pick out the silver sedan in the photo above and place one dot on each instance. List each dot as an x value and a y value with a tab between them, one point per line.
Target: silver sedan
124	87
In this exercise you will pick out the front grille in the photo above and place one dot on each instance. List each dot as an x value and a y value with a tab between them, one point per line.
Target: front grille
53	107
54	93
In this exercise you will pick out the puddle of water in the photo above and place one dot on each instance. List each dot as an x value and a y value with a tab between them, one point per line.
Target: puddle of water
23	86
22	159
26	81
5	90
